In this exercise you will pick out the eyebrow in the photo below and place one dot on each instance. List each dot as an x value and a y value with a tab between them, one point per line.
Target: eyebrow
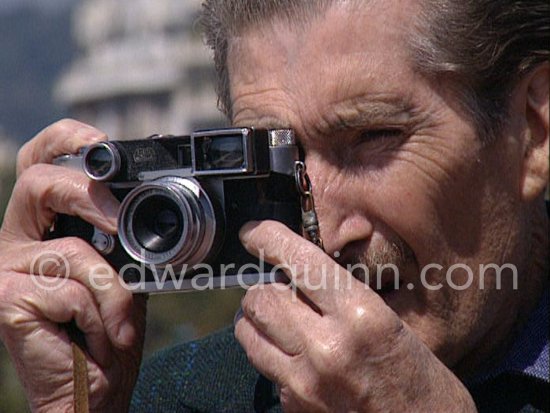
267	122
357	112
368	111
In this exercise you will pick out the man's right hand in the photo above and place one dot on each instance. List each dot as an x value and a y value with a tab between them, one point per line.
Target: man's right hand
31	314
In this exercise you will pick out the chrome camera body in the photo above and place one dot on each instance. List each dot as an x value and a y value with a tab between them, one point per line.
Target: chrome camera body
183	202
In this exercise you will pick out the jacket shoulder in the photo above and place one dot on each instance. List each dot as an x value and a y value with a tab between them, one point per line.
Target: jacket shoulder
211	374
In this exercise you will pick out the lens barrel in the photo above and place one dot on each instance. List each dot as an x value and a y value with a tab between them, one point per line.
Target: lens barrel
169	221
101	161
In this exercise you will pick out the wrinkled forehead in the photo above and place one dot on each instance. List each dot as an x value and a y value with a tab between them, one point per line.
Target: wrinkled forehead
280	71
328	28
297	16
344	38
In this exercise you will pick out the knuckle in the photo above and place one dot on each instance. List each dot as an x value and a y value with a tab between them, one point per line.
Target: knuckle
359	318
65	124
48	187
100	390
78	297
386	329
262	296
11	316
65	256
31	176
72	247
67	128
10	321
250	304
299	395
328	356
286	397
6	290
25	154
371	329
47	140
278	245
63	127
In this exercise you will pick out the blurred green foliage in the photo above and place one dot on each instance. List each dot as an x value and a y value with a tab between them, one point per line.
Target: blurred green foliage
171	319
7	179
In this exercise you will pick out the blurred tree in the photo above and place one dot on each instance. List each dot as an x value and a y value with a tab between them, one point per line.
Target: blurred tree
7	179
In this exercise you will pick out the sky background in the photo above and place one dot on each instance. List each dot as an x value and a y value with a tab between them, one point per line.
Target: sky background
46	5
35	47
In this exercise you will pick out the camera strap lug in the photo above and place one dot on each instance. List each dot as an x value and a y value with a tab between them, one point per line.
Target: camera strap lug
310	222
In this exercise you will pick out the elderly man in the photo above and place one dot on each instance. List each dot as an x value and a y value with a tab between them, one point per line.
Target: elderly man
425	128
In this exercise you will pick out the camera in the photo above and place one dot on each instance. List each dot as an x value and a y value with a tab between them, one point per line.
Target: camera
183	201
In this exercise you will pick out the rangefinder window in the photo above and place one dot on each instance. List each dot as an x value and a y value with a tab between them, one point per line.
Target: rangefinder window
101	161
219	153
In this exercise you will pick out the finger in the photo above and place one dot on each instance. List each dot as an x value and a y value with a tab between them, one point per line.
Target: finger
313	272
44	190
66	136
23	305
262	353
262	306
74	259
75	302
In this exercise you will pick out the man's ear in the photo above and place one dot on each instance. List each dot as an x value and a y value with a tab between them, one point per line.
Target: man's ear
537	115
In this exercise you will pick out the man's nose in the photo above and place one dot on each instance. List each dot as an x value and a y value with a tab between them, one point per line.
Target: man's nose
340	206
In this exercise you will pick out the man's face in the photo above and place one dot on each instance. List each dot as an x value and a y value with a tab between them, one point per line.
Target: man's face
398	173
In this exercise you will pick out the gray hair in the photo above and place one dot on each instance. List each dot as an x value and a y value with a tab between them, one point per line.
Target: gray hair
224	19
482	46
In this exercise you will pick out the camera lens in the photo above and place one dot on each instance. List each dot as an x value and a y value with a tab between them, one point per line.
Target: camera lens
169	221
158	224
101	161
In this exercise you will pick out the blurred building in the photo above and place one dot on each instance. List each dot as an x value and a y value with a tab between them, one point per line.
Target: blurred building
142	68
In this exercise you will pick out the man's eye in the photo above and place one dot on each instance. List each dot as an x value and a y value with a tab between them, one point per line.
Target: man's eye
376	134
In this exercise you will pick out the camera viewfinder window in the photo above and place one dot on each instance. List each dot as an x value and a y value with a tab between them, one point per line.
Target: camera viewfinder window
219	152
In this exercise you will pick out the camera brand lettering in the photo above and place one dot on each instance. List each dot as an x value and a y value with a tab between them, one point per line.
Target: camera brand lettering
144	154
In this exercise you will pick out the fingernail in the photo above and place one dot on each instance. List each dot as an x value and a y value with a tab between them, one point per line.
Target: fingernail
126	334
246	229
238	315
